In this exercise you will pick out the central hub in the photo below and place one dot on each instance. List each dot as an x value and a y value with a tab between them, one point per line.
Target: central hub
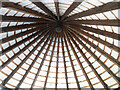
59	26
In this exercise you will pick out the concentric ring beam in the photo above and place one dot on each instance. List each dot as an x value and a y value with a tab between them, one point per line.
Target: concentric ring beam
75	75
4	40
21	19
96	38
97	59
57	63
24	60
100	32
86	59
80	64
100	9
15	6
112	22
13	28
57	8
65	68
26	73
21	51
41	64
51	58
71	8
20	42
45	9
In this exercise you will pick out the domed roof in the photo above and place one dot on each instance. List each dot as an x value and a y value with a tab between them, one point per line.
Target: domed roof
60	44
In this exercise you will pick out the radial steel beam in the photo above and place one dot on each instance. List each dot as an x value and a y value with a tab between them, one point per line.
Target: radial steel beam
100	9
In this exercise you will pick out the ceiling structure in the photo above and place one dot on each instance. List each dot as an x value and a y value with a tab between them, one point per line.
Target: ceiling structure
59	44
